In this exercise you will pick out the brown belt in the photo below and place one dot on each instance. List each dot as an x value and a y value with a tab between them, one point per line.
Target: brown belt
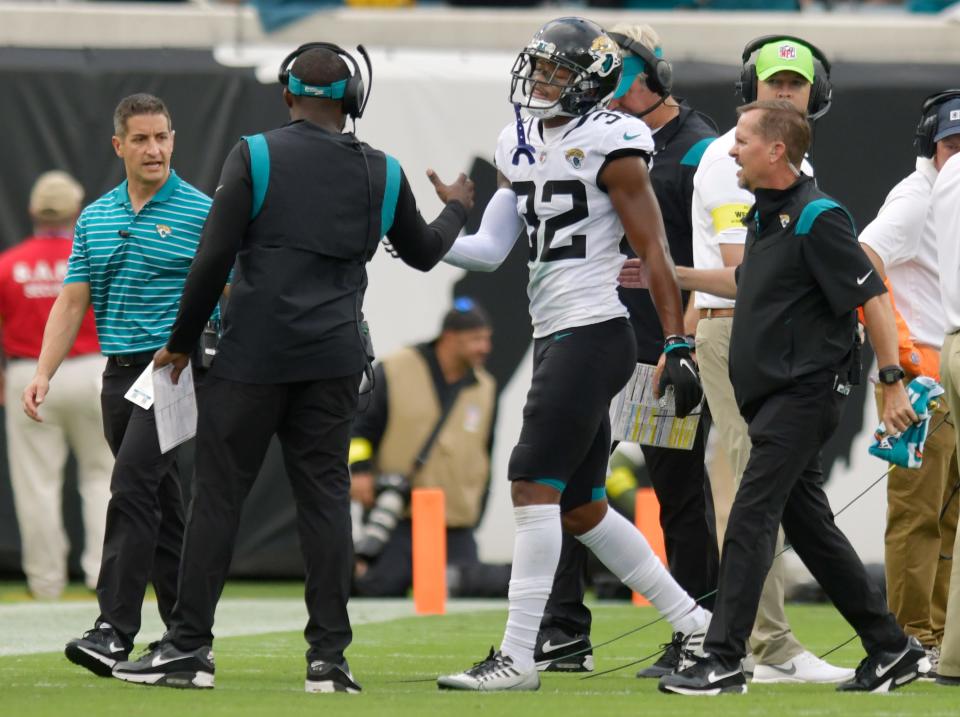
715	313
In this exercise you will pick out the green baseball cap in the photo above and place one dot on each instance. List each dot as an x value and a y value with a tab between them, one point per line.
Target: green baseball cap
785	55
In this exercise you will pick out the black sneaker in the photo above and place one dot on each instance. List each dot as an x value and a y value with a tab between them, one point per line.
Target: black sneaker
559	651
885	671
166	666
669	661
330	677
706	676
98	650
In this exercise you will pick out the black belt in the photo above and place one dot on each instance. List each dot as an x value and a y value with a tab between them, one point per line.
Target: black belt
127	360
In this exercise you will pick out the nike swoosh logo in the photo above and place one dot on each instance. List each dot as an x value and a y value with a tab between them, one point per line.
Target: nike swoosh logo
628	137
114	647
550	647
714	677
861	279
687	365
557	337
791	671
159	661
881	670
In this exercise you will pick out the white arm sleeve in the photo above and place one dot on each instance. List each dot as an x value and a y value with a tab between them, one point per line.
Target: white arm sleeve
498	232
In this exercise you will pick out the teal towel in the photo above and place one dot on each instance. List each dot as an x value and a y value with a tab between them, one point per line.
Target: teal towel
906	449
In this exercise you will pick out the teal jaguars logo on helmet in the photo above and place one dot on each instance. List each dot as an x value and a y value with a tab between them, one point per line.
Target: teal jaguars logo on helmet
606	56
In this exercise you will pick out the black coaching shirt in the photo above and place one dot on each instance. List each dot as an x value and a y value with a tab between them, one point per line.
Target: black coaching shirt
803	276
295	306
678	147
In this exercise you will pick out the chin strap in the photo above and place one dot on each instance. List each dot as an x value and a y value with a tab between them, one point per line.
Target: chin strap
523	148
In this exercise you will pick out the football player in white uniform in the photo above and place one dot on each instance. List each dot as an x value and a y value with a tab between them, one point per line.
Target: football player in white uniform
576	174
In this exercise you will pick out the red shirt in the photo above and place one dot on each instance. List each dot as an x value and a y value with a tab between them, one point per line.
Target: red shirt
31	276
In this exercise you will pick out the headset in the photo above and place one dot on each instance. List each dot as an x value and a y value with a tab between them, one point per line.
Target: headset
821	92
659	72
350	91
929	122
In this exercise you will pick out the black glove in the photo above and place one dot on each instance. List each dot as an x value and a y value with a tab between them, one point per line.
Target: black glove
680	371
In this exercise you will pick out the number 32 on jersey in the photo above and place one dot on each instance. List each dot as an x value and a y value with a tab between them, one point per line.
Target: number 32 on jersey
542	234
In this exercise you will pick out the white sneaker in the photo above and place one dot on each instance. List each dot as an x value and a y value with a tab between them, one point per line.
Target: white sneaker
930	662
494	674
805	667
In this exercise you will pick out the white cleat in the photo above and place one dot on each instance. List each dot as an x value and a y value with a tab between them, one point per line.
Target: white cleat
692	648
804	668
494	674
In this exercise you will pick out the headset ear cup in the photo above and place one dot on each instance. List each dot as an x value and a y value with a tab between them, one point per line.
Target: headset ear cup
748	83
664	77
925	131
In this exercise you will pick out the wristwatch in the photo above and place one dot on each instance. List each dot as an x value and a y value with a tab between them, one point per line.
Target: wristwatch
891	374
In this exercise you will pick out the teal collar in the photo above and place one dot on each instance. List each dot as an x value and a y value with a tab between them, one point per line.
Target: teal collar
121	195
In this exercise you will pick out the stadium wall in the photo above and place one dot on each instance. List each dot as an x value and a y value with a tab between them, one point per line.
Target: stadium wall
430	107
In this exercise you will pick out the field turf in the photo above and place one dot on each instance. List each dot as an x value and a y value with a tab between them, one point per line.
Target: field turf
396	661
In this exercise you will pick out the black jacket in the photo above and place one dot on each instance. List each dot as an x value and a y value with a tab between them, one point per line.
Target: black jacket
803	276
295	307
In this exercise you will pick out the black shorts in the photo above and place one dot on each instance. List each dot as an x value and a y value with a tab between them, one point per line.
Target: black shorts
565	439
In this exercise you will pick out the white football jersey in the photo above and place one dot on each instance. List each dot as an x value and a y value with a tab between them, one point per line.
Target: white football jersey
573	230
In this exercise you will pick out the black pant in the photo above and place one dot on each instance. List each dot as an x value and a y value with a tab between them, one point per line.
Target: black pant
391	574
236	421
783	484
682	487
144	528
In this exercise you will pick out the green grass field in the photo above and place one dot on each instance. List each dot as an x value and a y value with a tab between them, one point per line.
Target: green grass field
397	660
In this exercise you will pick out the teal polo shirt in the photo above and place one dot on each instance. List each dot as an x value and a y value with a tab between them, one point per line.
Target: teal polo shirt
137	263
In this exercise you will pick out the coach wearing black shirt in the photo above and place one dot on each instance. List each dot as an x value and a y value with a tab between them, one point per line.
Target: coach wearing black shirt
679	477
301	209
793	356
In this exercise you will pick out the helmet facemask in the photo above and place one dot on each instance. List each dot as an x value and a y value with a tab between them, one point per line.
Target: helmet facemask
594	64
522	85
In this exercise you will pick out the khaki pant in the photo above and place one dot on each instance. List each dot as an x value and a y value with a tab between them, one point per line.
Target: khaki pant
772	640
950	649
918	542
38	453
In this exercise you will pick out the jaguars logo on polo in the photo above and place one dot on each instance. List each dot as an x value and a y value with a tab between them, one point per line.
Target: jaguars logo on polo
606	56
575	156
164	231
788	52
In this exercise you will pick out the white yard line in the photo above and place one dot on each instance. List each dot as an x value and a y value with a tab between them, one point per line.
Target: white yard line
28	628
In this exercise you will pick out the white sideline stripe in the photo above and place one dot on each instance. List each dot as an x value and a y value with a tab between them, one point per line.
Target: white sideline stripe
30	628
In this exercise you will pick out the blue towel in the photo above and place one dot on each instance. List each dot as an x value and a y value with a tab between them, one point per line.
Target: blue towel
906	449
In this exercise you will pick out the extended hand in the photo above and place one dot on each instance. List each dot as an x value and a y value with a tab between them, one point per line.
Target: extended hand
634	275
179	361
460	190
679	369
898	414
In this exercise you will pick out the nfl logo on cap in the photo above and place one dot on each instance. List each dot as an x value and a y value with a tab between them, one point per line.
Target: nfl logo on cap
954	115
788	52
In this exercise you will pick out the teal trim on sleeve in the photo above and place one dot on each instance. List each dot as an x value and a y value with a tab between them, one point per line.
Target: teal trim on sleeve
695	153
813	210
259	170
552	482
391	191
598	493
